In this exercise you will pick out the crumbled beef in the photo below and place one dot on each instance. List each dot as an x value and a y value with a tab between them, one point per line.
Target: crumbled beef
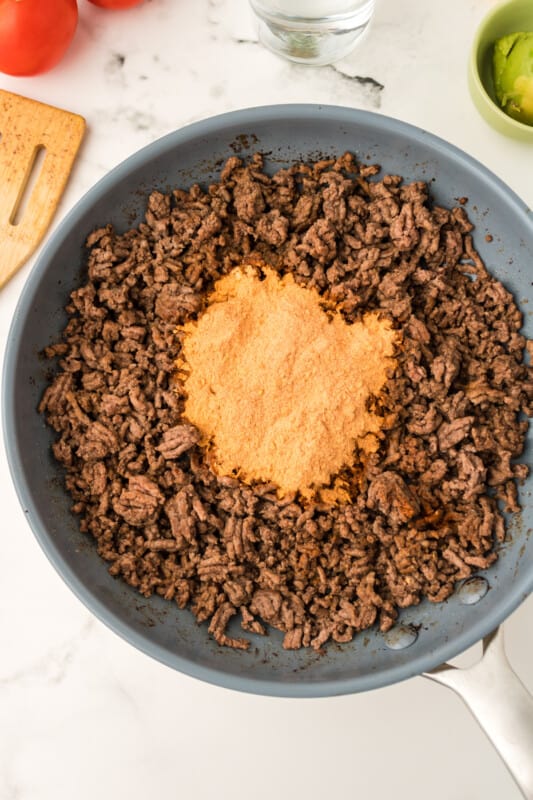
425	508
178	440
451	433
138	503
389	494
174	302
272	228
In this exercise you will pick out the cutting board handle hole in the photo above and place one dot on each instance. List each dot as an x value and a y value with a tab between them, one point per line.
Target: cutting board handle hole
35	166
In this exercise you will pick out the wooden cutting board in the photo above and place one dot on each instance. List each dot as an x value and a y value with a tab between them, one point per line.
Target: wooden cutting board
38	145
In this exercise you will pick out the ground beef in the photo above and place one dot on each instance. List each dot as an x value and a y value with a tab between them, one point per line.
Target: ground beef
427	506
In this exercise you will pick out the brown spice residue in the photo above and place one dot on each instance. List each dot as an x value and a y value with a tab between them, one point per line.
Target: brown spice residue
278	387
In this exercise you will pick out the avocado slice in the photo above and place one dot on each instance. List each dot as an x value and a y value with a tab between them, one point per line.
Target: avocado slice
513	75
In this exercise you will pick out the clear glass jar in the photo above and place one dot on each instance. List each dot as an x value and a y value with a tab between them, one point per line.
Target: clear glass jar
312	32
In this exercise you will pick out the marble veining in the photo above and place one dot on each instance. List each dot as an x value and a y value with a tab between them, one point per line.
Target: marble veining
52	666
369	88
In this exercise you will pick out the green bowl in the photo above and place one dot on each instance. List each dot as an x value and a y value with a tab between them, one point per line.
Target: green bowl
509	17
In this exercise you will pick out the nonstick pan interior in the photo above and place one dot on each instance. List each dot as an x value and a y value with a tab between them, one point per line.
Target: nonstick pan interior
195	154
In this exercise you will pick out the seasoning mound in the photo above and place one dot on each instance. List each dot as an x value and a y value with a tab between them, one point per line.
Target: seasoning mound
279	386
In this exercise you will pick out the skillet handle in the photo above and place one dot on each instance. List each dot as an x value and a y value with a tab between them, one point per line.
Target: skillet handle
501	704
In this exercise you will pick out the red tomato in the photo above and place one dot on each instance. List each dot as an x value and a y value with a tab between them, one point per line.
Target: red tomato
34	34
116	3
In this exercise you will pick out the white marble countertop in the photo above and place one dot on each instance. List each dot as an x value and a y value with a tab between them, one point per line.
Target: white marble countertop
83	714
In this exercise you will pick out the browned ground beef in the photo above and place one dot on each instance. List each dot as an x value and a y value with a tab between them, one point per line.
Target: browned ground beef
426	508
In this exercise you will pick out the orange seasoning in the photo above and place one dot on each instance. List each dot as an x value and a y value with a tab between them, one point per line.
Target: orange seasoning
278	387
